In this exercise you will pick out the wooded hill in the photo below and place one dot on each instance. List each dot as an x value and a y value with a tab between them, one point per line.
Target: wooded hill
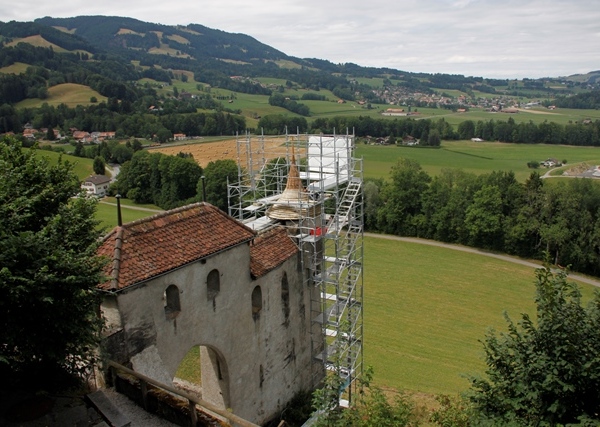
127	64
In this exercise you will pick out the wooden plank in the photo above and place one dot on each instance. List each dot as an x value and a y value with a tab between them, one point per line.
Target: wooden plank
108	410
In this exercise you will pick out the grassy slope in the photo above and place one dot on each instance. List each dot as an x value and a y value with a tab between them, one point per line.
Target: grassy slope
70	94
107	214
475	157
16	68
427	307
83	167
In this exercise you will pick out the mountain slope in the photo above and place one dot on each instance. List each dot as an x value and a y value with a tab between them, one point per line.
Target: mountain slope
194	41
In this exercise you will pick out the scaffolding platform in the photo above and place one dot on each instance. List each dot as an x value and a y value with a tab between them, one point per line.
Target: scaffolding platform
326	223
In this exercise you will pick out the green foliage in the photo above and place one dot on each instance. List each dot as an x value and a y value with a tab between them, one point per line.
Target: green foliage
484	218
166	181
454	411
491	211
99	166
544	371
277	124
280	100
401	210
371	408
217	174
48	267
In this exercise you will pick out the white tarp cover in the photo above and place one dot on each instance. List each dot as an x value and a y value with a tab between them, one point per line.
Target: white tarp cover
325	152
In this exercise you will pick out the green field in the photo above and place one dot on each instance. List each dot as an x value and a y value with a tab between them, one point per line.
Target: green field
474	157
82	167
16	68
561	116
106	213
70	94
426	308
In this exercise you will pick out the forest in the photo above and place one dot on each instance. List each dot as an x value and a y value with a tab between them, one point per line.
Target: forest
535	219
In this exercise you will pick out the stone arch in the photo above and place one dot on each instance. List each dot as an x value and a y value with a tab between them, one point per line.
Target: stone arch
214	374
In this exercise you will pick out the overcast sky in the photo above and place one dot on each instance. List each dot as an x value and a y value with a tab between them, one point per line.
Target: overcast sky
489	38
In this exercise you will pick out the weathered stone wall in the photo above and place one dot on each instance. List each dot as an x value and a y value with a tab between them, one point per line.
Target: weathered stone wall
257	354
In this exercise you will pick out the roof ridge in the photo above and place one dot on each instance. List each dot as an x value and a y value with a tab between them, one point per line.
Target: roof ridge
161	214
116	267
229	217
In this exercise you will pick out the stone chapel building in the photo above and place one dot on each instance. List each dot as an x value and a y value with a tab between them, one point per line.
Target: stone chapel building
196	276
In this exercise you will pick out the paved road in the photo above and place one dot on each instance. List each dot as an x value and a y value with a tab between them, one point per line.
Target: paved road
508	258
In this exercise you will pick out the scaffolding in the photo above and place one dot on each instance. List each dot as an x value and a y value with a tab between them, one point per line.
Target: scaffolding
312	185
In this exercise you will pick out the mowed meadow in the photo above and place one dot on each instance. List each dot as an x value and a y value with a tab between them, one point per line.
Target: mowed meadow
426	308
473	157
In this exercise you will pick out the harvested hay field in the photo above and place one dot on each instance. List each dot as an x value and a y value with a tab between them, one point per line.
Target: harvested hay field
205	152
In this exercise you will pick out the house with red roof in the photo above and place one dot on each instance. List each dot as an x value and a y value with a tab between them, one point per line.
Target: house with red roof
194	276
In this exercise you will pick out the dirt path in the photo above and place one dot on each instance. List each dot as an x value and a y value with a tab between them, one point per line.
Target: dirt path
508	258
135	208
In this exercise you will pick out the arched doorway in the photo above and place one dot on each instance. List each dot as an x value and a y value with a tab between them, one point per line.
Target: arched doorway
204	370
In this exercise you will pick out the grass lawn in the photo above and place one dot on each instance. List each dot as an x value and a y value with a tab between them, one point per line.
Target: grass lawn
107	214
475	157
426	310
189	369
83	167
427	307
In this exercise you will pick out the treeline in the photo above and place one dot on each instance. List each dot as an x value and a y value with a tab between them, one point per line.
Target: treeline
121	117
279	100
67	41
109	151
587	100
172	181
492	211
585	134
278	124
166	181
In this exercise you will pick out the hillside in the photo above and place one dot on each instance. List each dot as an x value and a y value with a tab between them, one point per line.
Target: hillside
194	41
217	55
145	79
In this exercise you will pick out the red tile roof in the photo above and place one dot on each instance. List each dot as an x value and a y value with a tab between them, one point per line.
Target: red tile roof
149	247
270	250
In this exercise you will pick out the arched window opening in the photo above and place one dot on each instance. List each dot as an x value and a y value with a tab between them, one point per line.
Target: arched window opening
172	305
213	284
256	302
285	296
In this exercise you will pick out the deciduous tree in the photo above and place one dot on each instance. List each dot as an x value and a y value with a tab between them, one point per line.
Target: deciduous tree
216	175
545	372
48	267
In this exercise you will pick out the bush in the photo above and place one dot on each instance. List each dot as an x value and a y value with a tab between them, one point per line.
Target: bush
545	371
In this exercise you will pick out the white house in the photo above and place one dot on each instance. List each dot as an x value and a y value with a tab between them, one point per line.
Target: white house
96	185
